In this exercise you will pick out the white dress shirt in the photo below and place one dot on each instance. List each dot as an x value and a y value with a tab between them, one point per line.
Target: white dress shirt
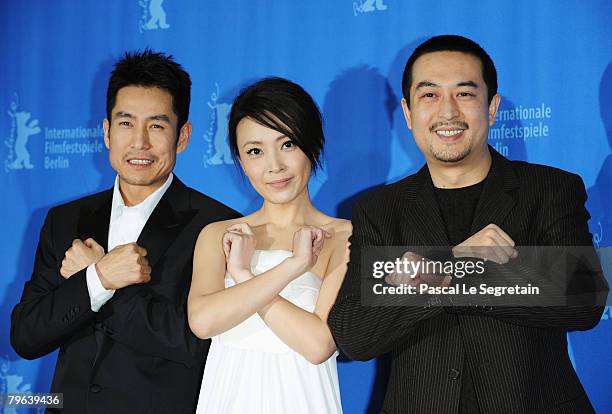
125	226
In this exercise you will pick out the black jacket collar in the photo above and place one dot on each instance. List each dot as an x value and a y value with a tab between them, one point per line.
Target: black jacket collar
166	220
424	219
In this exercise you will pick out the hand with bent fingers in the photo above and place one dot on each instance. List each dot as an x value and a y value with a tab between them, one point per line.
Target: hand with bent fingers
239	245
490	243
79	256
307	245
419	277
123	266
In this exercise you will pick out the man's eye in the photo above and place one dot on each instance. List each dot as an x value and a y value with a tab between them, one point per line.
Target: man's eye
463	94
428	95
124	123
254	151
157	126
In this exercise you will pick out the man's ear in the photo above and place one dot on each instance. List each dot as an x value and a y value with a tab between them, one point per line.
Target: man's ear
106	128
493	107
407	116
184	137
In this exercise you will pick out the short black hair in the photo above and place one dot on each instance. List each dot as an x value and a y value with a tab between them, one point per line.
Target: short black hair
283	106
452	43
151	70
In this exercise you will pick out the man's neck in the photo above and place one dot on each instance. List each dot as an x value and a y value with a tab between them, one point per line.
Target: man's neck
133	195
469	171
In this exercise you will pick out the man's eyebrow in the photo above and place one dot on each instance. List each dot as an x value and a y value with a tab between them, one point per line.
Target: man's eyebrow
471	84
123	114
160	117
425	84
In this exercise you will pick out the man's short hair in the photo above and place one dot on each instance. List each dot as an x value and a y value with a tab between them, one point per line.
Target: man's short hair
151	70
452	43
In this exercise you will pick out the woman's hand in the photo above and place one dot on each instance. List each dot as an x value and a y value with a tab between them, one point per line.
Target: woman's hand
307	245
239	245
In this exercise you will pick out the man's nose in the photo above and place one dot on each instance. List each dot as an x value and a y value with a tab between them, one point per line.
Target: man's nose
449	108
141	139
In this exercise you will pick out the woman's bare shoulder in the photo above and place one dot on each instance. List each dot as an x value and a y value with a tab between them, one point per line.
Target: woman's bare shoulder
338	226
217	229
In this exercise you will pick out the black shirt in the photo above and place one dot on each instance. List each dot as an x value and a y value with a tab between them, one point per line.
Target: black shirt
457	206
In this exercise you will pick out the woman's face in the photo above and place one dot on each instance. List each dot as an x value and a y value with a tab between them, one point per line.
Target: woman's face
276	166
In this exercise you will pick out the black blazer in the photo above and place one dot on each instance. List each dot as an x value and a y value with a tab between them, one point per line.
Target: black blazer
517	356
137	354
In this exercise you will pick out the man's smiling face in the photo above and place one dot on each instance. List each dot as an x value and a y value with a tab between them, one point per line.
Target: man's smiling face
142	140
449	115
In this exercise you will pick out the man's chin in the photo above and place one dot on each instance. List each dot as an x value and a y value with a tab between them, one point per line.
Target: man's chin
138	181
451	156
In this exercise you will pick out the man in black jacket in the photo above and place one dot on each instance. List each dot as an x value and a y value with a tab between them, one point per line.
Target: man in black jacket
467	359
113	270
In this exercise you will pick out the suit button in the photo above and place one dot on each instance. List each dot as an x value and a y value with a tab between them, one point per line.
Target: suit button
454	373
95	388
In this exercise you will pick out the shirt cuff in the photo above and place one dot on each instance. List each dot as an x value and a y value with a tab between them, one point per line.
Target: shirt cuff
98	295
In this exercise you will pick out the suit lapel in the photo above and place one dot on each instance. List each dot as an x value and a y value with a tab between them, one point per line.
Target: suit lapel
495	202
166	222
424	225
94	222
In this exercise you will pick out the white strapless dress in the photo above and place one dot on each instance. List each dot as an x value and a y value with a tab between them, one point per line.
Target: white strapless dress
250	370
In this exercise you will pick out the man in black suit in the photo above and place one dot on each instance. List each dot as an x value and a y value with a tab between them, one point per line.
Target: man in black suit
113	270
467	359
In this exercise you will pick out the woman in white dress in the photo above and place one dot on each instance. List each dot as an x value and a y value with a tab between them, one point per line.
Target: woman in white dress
263	285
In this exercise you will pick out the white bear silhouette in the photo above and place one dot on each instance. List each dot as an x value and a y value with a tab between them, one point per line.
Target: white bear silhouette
24	130
158	16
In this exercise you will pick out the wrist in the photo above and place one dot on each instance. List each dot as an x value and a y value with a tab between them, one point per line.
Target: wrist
103	280
241	275
460	251
297	264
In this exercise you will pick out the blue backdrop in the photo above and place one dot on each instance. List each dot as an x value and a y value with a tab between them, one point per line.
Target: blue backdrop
555	73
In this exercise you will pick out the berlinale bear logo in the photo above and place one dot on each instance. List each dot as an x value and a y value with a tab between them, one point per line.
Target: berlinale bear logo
368	6
21	130
218	151
153	15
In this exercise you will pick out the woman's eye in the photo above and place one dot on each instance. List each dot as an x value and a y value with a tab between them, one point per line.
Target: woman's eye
288	144
254	151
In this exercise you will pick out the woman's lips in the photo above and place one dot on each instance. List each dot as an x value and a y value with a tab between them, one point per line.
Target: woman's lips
279	183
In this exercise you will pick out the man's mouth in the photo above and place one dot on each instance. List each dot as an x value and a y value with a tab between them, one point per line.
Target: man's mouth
447	133
140	162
